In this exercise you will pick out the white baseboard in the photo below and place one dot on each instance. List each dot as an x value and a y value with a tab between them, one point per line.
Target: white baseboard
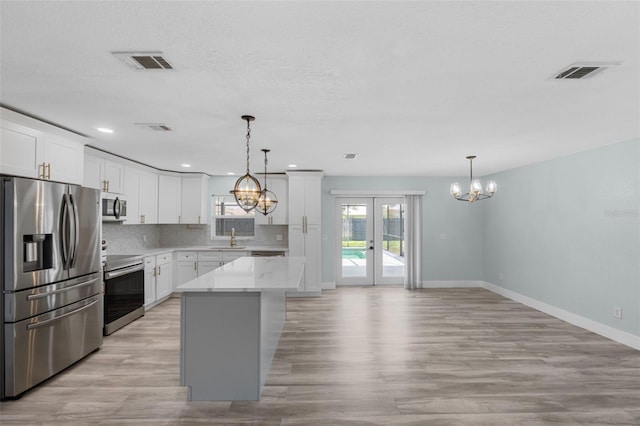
451	284
619	336
329	285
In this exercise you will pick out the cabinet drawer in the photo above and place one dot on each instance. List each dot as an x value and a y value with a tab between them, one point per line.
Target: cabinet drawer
186	256
231	255
149	262
210	256
164	258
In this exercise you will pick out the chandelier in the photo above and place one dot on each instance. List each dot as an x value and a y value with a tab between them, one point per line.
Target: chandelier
268	200
475	191
247	189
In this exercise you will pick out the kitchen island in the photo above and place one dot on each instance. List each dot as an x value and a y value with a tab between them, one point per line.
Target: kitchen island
231	320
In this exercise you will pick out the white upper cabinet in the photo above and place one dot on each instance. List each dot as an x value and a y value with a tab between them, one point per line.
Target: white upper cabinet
305	194
103	174
148	197
39	150
132	191
194	199
280	216
64	159
169	199
21	150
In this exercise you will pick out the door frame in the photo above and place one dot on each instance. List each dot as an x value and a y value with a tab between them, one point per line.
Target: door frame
374	240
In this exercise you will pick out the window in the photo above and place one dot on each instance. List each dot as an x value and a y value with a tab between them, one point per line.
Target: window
228	215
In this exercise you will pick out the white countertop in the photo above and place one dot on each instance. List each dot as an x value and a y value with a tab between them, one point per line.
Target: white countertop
159	250
250	274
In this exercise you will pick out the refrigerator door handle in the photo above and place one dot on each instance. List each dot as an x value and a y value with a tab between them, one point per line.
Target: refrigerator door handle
61	290
64	231
76	234
49	321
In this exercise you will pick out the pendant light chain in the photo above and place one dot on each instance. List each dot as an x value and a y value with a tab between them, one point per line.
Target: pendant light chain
248	137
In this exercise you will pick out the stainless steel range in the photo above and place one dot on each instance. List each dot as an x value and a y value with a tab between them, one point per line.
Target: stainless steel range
123	291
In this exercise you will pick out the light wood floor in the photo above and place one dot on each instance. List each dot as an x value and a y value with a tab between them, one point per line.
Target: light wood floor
376	356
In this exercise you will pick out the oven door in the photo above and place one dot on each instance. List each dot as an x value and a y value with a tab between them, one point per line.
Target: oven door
123	297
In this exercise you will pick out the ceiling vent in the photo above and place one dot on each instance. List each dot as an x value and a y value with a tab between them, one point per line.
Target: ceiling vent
350	156
158	127
584	70
144	60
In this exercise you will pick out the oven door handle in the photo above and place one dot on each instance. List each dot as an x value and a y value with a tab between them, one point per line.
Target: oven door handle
60	290
125	271
49	321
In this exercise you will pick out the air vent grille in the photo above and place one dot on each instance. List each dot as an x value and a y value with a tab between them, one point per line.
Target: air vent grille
583	70
350	156
144	60
158	127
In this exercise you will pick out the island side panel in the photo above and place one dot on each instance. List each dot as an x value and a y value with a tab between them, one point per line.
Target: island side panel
220	353
273	315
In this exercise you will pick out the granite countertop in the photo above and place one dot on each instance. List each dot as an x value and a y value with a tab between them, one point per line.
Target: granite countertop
250	274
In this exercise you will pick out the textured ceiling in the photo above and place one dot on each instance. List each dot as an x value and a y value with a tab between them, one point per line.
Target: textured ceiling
412	87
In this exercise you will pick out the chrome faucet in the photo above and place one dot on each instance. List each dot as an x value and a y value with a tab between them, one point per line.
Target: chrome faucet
232	241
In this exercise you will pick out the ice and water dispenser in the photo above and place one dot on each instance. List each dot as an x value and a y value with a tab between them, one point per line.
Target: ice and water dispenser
38	252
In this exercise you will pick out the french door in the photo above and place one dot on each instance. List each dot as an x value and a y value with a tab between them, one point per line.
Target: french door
370	241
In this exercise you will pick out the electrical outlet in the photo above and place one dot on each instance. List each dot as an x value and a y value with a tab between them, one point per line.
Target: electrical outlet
278	237
617	312
443	236
500	276
144	237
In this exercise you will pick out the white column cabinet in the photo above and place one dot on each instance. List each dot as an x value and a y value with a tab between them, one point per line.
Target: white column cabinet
40	152
305	239
169	188
194	199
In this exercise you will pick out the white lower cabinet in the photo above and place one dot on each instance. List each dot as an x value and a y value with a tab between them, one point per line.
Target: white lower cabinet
186	266
149	281
158	278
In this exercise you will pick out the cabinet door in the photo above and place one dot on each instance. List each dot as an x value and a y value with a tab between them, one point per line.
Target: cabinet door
231	255
21	150
208	266
313	199
114	175
296	199
193	200
168	199
93	172
65	159
132	190
186	272
296	240
148	198
164	280
312	267
149	286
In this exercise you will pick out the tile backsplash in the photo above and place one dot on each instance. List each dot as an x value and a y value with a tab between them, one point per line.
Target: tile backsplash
131	237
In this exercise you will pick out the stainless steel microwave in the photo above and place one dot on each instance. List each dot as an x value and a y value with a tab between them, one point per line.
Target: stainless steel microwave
114	207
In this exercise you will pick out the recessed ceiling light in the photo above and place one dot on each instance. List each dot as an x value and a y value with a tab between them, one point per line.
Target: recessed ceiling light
230	173
104	130
293	166
185	165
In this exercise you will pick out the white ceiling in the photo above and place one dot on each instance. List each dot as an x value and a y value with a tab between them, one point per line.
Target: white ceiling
412	87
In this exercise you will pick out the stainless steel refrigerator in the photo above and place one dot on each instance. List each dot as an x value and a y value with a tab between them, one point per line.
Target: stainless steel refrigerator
50	268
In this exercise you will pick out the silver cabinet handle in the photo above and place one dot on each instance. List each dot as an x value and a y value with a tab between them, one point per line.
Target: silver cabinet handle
124	271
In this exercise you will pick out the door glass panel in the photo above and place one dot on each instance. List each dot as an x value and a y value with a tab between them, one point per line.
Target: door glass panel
392	239
354	240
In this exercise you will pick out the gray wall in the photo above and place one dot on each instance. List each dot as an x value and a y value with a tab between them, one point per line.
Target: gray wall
459	257
566	232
